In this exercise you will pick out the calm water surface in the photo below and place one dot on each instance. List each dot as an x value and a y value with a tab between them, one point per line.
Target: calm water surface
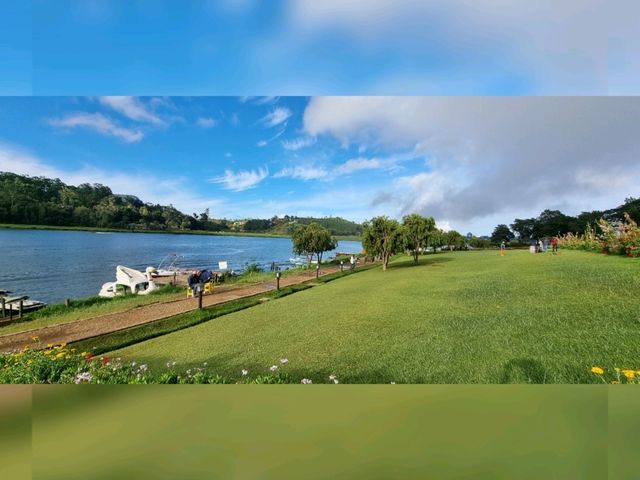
52	265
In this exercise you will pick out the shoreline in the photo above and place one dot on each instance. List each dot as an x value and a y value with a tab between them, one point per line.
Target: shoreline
14	226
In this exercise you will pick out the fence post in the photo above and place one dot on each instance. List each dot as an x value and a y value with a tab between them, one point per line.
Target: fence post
20	307
4	313
67	302
200	298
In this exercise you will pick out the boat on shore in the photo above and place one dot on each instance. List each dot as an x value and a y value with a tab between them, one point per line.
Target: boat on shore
127	281
11	304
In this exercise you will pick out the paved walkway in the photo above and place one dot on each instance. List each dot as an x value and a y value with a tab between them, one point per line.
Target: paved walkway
103	324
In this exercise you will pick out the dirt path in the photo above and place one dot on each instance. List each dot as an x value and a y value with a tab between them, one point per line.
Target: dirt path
91	327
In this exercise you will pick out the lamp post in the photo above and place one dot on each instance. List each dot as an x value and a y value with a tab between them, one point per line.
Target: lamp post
341	265
277	280
317	271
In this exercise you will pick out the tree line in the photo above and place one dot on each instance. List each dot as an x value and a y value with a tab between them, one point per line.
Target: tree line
43	201
554	223
383	237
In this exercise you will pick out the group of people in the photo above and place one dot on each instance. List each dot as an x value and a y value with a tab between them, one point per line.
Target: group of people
542	245
198	278
536	246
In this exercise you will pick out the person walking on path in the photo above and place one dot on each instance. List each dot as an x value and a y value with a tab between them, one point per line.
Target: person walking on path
554	245
352	261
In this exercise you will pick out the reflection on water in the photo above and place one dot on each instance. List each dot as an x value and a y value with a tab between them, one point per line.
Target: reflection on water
51	265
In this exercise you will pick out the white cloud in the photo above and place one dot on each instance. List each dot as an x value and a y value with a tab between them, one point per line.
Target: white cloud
560	46
206	122
131	107
242	180
302	173
145	185
259	100
264	143
298	143
276	117
361	163
97	122
485	156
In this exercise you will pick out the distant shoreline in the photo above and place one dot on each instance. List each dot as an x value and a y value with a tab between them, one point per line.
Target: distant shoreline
14	226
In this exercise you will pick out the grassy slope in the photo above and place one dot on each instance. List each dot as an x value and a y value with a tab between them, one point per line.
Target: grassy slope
457	317
87	308
17	226
94	306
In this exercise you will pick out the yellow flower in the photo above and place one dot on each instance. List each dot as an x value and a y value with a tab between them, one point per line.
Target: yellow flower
47	352
29	362
630	374
35	339
615	382
83	354
597	370
49	345
60	355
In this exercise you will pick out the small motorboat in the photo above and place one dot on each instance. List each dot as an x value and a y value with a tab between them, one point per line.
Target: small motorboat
128	281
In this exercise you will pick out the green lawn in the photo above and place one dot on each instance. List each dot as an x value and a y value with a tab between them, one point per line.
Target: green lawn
462	317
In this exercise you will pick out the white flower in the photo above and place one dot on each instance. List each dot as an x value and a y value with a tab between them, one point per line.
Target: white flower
133	364
245	372
83	377
205	364
335	381
143	367
273	368
306	381
332	377
284	360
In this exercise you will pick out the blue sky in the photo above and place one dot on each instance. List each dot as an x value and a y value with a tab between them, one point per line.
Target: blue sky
310	47
471	162
238	156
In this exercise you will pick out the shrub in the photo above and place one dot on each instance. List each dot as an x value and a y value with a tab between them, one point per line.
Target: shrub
623	239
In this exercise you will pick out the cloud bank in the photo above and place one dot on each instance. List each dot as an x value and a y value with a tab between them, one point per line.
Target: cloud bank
485	156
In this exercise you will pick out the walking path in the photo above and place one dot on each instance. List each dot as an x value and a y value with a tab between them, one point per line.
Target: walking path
112	322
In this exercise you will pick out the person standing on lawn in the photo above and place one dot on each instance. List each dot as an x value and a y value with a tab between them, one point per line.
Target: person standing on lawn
554	245
502	248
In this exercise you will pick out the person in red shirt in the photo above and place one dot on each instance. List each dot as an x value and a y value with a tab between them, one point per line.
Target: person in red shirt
554	245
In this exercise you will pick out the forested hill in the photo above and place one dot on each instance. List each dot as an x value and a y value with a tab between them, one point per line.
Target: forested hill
45	201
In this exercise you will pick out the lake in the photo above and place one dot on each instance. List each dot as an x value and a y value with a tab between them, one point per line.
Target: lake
51	265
